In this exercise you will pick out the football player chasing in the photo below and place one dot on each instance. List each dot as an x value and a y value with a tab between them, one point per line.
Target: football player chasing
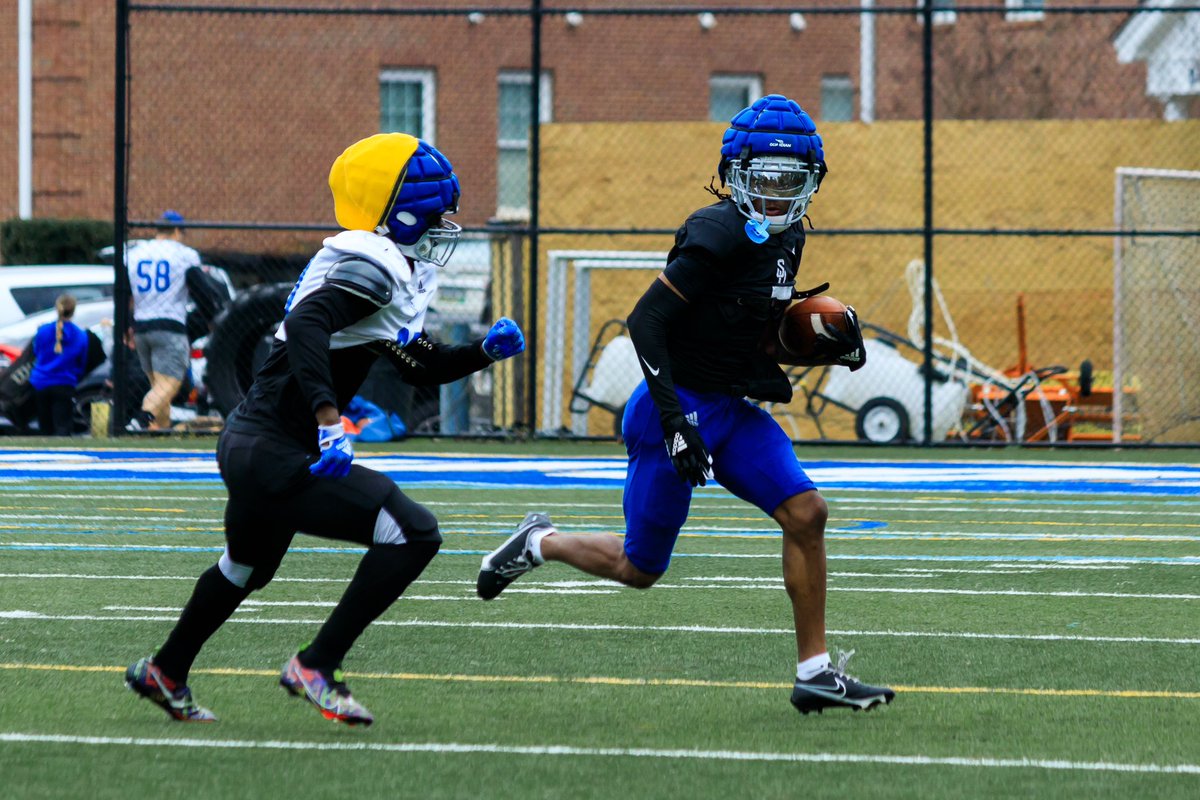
702	335
284	455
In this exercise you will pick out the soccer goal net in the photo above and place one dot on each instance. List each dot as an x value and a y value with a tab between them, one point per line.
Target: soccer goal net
1156	304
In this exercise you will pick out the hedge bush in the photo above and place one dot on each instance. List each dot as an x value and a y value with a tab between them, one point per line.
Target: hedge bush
53	241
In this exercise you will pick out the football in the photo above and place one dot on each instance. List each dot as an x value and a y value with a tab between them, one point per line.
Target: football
803	323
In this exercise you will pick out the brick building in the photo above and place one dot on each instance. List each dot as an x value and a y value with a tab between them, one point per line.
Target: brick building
236	116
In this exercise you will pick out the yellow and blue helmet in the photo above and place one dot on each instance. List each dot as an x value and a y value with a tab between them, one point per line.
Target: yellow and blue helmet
401	187
771	151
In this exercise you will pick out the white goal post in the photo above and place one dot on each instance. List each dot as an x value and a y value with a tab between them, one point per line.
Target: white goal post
1156	298
558	338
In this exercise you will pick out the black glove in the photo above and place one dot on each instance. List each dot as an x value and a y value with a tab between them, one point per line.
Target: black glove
816	290
846	349
687	451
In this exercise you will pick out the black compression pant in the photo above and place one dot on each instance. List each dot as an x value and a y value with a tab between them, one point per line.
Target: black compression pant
272	496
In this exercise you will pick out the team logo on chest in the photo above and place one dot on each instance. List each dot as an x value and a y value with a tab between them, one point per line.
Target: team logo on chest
782	290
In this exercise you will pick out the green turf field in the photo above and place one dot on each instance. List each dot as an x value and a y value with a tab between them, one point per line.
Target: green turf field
1050	677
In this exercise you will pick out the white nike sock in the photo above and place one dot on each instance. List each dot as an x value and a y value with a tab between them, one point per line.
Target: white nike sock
809	667
535	545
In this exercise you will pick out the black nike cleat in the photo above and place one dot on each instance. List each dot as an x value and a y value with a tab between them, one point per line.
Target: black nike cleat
512	559
833	688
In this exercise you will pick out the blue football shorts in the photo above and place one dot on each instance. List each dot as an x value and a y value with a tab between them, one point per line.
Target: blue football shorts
752	458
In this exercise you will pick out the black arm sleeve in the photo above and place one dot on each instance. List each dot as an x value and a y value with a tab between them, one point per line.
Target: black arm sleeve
309	326
648	325
425	362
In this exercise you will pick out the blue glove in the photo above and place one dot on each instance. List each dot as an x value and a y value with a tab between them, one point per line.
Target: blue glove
504	340
336	452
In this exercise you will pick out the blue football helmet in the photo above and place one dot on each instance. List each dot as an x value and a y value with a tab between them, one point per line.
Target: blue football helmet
426	193
771	152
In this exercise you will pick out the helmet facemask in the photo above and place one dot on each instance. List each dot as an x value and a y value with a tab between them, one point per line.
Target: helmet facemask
435	244
771	152
756	182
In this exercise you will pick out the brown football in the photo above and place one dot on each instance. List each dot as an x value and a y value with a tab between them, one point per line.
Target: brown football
802	323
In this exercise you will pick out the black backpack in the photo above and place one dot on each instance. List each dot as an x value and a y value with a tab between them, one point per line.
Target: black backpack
16	392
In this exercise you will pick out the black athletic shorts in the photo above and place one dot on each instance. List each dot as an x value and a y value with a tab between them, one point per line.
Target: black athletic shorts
272	496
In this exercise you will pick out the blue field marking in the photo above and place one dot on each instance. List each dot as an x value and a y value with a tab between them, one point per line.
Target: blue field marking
861	525
609	472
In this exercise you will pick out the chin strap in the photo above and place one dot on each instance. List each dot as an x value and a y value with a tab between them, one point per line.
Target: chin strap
802	295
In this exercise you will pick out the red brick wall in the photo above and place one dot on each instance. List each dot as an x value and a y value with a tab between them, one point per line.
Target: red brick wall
8	109
237	117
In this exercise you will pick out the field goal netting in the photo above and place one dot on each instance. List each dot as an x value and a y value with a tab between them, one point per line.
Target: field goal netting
1156	303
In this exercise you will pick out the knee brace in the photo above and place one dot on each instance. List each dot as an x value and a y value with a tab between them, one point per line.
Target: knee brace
402	521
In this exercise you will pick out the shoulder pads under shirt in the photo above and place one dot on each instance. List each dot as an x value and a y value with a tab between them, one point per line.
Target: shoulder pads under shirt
716	229
363	278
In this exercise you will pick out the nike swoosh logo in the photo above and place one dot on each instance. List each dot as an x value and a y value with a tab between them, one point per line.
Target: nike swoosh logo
830	695
653	371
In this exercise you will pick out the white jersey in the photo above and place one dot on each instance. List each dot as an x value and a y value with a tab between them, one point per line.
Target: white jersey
413	287
157	270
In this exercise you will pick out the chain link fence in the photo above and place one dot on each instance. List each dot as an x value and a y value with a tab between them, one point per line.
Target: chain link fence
992	208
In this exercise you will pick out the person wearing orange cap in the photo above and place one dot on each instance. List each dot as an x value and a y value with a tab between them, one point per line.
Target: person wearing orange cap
284	455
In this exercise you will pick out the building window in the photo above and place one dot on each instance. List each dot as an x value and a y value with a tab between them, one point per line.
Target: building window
407	102
1024	10
729	94
512	168
837	98
943	11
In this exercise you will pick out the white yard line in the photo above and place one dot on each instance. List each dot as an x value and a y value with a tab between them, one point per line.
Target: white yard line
709	583
169	614
558	749
954	505
19	525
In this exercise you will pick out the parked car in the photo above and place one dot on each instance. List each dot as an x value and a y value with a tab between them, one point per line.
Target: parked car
32	289
97	316
88	314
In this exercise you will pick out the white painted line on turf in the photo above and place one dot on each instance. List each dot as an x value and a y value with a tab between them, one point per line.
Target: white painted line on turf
773	584
212	527
456	748
1013	593
1162	561
1131	506
90	577
172	615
